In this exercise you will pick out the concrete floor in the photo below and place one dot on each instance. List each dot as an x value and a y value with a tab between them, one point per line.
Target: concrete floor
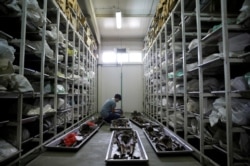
93	153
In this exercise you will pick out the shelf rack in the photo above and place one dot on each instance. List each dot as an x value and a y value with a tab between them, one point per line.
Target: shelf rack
167	91
77	76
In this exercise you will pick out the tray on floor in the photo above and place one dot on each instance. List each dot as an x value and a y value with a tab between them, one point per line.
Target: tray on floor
120	124
165	141
133	151
84	131
142	121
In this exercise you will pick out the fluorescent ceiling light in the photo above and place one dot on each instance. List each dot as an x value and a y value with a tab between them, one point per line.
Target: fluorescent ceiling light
118	16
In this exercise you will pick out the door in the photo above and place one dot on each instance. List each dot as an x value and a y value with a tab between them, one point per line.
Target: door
124	79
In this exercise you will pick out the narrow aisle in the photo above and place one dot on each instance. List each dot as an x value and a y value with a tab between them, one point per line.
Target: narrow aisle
93	153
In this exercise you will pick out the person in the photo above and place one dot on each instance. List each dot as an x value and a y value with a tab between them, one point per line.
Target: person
108	111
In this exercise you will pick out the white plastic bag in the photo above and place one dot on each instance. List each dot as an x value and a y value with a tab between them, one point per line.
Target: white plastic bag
6	149
34	12
239	83
20	83
6	51
240	111
237	43
245	12
38	46
193	44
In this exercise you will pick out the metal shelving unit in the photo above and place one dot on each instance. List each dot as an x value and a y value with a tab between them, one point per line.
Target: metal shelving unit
189	107
73	67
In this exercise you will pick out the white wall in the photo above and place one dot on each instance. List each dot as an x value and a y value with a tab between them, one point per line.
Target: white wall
109	83
130	77
132	88
135	44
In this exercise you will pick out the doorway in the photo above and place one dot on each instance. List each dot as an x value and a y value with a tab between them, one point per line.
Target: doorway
126	80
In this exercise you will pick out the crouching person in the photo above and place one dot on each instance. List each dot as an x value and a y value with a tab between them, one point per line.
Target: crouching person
108	112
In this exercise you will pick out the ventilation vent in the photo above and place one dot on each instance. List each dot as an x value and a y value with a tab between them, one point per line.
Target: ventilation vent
121	50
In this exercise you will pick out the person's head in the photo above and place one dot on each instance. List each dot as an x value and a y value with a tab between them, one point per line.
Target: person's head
118	97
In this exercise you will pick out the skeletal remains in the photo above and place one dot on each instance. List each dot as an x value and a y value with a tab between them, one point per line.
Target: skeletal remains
162	141
126	141
117	123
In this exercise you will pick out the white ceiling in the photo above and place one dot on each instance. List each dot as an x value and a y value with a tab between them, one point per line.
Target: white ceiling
136	18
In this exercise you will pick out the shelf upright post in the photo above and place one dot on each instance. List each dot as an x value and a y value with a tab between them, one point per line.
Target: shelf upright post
227	78
88	83
146	84
94	83
150	83
200	70
149	57
73	76
184	66
85	85
91	83
156	73
93	86
21	72
155	79
43	55
78	82
174	69
160	76
145	94
82	85
66	70
56	68
84	74
166	74
146	102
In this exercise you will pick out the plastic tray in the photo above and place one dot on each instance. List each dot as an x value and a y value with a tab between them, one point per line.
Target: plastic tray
185	148
55	145
139	150
126	125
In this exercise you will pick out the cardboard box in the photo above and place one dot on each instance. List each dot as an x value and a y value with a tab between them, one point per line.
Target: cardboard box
73	4
82	20
68	13
71	17
74	22
88	31
89	41
171	4
78	11
61	4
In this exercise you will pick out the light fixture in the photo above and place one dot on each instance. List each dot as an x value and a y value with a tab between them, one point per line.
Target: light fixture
118	16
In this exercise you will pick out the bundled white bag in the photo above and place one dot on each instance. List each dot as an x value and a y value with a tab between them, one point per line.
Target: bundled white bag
245	12
237	44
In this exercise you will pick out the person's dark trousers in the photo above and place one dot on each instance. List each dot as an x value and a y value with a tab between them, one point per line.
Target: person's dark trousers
119	111
111	117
